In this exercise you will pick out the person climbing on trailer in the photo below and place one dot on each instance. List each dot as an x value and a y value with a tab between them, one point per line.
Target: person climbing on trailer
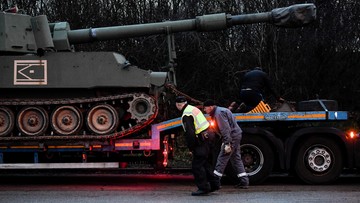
254	84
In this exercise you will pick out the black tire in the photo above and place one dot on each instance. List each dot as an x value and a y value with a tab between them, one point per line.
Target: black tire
318	161
258	158
314	105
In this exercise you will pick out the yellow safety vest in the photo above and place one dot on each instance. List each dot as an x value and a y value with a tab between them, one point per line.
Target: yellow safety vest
200	121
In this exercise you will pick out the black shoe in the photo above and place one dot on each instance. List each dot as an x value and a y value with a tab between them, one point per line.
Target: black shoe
200	193
244	183
242	186
215	183
214	188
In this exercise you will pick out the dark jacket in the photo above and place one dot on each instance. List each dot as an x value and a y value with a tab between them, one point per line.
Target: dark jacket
258	81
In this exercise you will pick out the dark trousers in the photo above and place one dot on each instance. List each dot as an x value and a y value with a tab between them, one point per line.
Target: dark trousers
250	98
202	167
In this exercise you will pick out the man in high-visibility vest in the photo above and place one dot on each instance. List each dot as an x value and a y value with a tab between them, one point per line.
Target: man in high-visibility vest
198	141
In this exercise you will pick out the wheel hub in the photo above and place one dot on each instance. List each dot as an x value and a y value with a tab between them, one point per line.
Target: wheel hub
102	120
67	120
32	121
247	159
319	159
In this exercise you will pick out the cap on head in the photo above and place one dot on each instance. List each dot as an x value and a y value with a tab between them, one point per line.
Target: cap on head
209	102
180	99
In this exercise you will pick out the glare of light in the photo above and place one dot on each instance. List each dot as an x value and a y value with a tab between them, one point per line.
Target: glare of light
352	134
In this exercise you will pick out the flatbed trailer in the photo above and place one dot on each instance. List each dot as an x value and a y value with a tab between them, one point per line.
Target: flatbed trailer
303	143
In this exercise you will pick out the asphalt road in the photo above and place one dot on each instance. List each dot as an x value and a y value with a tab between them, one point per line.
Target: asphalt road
165	188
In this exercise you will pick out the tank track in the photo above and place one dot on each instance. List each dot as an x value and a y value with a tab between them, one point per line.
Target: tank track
125	103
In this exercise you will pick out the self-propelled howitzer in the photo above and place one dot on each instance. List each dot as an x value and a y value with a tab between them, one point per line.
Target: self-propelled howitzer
50	92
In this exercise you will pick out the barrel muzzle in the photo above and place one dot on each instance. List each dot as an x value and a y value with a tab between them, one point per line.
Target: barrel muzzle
294	16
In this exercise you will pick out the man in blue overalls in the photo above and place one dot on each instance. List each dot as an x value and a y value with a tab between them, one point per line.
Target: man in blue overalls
227	127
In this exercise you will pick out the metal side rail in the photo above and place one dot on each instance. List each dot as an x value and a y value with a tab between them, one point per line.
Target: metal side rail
101	165
292	116
262	117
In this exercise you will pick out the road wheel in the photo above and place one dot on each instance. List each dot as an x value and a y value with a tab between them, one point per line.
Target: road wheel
66	120
258	158
6	121
102	119
32	121
318	161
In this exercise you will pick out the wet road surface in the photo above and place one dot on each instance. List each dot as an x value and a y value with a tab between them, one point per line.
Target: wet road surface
166	188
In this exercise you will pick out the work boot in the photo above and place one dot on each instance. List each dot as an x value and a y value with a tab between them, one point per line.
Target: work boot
215	187
243	183
215	183
199	193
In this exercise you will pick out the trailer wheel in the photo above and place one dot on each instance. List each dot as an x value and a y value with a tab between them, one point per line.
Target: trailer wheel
258	158
318	161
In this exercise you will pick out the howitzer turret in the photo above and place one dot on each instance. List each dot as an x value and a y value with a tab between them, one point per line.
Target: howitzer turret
50	92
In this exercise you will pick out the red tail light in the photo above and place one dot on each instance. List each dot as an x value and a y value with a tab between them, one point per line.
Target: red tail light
352	134
212	124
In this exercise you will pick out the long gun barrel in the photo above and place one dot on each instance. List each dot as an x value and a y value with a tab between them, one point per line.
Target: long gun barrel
31	34
292	16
